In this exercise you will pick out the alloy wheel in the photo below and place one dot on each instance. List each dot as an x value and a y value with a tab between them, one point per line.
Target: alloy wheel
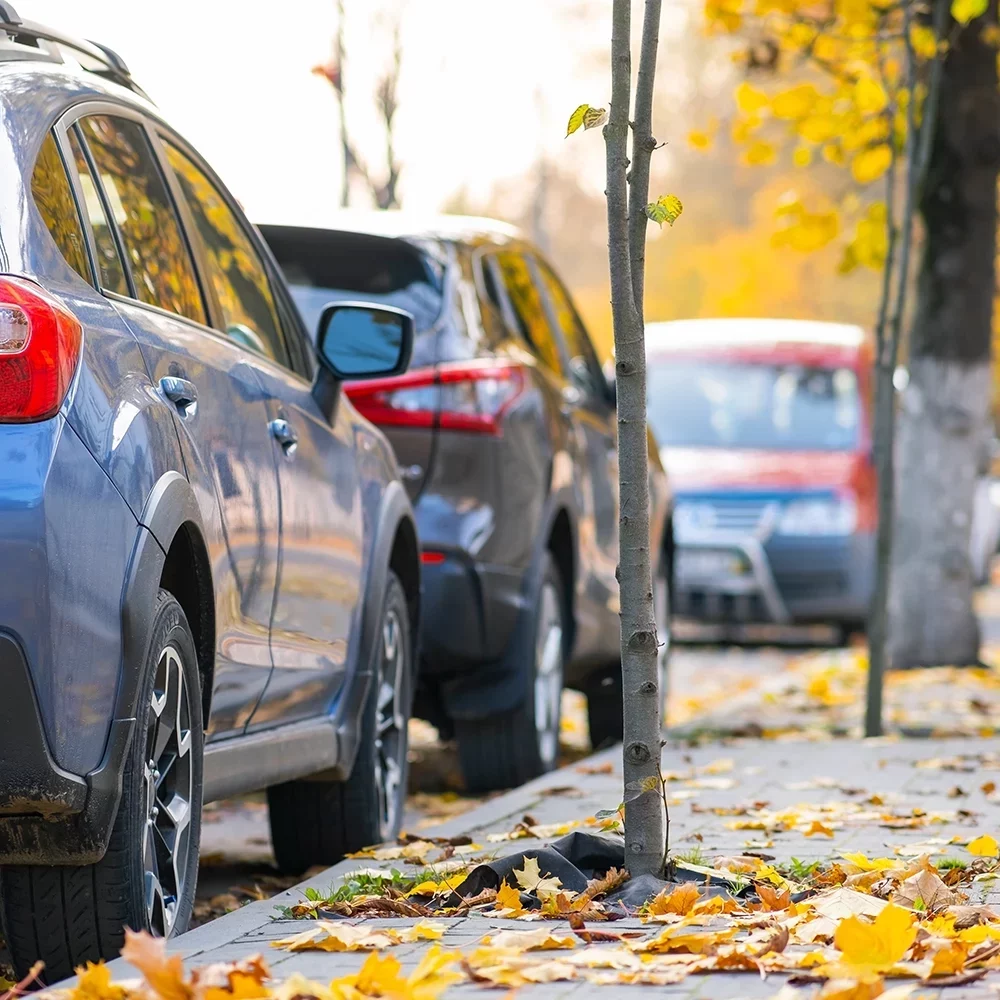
169	783
548	673
391	717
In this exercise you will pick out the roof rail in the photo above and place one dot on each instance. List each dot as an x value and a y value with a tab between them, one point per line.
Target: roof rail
110	65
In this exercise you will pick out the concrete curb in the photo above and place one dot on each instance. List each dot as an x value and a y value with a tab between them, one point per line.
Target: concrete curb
254	916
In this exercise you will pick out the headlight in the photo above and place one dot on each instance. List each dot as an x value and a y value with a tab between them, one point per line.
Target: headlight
835	516
690	519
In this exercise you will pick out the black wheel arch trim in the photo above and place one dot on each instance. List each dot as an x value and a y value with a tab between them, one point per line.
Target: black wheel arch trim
394	510
80	835
498	687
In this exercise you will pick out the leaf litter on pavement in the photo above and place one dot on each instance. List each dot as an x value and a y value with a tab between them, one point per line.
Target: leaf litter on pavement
852	924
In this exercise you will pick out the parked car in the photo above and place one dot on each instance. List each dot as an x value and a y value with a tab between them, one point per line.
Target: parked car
211	570
504	428
765	430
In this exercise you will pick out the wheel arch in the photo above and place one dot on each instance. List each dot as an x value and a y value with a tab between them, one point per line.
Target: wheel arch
561	545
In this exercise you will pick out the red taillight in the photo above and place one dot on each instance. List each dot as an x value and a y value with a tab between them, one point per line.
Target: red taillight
431	558
39	349
456	396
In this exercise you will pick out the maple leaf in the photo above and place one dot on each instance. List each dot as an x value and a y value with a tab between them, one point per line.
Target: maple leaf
423	930
509	900
867	864
149	955
530	879
243	980
926	891
877	945
950	960
382	977
772	900
680	900
94	983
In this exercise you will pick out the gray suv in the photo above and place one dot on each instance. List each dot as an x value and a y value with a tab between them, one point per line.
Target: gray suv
504	429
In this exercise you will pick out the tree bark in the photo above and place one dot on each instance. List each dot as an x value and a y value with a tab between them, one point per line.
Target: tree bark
644	817
643	144
944	415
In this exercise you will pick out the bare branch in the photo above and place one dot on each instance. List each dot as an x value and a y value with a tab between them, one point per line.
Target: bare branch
643	144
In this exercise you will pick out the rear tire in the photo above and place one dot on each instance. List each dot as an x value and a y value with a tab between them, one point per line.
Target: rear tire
69	915
604	688
317	822
506	750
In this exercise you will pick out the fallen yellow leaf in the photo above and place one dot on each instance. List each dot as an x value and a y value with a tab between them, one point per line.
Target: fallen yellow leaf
983	847
878	945
530	879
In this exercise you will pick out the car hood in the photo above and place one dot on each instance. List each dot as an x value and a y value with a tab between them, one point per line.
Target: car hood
707	468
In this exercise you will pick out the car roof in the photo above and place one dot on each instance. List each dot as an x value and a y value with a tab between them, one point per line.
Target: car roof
692	334
397	224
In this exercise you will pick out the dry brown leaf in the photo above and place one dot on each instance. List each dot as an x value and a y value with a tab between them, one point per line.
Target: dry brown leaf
771	899
325	935
925	891
607	768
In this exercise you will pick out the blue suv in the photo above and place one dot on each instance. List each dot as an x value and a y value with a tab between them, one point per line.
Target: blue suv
210	571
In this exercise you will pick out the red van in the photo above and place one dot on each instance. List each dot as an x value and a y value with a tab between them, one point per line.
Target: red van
765	430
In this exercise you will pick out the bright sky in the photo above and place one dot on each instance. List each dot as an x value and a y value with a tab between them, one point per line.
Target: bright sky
483	86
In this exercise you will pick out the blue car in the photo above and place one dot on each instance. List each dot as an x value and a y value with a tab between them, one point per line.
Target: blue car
209	570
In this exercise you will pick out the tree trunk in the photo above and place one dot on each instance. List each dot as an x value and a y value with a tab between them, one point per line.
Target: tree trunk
644	820
944	414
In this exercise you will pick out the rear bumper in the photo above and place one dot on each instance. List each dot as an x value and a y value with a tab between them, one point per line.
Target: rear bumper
47	814
782	581
469	612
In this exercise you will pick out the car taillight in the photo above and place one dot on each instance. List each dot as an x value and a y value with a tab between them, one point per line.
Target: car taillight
39	349
457	396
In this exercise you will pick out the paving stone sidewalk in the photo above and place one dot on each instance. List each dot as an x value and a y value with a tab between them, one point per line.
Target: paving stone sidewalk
933	788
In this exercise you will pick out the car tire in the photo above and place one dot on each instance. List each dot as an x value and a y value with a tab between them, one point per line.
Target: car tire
317	822
604	688
69	915
508	749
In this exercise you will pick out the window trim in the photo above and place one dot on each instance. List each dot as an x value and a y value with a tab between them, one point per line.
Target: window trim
537	262
87	109
81	216
293	361
105	206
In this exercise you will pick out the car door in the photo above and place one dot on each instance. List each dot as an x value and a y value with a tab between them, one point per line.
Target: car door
211	384
594	416
321	512
520	281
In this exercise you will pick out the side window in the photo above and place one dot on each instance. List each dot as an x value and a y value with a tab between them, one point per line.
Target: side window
234	267
161	266
528	308
54	200
584	368
110	269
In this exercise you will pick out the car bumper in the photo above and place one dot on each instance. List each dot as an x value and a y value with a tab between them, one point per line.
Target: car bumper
469	610
782	581
49	815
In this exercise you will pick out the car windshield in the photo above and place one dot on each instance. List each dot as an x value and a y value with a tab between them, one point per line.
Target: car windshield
710	404
323	267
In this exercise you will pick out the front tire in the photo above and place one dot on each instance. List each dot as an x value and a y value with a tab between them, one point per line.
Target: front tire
317	822
506	750
68	915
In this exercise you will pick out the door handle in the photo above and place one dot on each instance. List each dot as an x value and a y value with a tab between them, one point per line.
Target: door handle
281	431
182	393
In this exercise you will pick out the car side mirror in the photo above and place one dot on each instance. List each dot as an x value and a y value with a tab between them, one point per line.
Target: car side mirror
358	340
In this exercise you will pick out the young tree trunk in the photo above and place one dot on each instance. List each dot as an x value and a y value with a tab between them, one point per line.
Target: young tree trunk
945	408
644	817
345	144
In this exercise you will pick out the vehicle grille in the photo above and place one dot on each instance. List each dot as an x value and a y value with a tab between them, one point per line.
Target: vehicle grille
731	516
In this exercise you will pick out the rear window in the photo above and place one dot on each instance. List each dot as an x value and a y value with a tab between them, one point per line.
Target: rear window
323	267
